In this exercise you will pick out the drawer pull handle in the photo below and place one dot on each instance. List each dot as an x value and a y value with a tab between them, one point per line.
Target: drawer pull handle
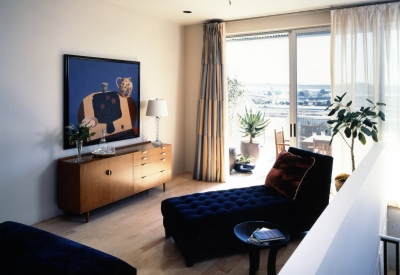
144	164
144	152
163	153
163	159
144	158
163	171
163	147
144	177
108	172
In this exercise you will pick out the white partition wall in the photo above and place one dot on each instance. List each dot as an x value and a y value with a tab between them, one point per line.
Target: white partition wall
345	239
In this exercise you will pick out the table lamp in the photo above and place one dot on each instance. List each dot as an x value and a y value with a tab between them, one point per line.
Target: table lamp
157	108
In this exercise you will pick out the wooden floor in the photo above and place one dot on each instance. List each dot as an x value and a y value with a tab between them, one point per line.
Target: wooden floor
132	230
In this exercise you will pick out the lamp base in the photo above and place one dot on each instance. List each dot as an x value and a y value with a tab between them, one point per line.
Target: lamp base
157	143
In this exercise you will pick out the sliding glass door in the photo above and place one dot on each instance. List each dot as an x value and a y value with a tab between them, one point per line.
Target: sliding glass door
258	79
287	76
313	89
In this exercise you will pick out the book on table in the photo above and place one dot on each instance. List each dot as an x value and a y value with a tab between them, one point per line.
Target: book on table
267	235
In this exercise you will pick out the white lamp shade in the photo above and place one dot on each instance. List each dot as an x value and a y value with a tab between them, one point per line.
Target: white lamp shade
157	107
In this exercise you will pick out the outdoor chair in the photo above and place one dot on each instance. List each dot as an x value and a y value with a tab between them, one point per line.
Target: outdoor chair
280	142
321	146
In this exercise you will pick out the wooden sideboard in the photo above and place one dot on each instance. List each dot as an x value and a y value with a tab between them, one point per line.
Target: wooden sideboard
97	181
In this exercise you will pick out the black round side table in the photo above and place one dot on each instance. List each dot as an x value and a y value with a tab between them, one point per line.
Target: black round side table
244	230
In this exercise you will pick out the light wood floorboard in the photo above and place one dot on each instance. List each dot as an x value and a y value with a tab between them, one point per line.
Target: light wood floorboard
132	230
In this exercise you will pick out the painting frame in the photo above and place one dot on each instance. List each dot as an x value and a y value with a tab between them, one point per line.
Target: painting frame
104	94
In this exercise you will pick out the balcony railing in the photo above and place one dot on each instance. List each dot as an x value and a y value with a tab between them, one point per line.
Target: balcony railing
393	240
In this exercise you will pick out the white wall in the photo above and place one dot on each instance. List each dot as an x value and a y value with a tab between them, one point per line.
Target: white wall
34	37
193	51
345	238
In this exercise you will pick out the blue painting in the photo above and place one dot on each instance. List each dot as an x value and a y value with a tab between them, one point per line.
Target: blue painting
103	94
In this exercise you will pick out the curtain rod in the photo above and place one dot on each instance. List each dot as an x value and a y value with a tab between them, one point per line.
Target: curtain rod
323	9
361	5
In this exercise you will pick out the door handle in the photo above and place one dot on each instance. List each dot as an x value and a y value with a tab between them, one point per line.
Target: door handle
294	130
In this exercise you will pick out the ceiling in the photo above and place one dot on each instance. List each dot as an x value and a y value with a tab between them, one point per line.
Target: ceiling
203	10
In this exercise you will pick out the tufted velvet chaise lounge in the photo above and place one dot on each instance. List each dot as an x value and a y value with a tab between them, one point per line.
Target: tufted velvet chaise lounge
28	250
202	224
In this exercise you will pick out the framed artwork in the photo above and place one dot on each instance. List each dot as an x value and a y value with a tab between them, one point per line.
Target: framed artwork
103	93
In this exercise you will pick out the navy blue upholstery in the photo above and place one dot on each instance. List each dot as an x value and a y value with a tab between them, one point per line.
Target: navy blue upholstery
28	250
201	224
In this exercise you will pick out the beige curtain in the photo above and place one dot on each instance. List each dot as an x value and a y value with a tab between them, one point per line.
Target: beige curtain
209	157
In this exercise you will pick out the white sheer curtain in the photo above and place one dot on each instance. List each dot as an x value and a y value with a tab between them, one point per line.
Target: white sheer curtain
366	64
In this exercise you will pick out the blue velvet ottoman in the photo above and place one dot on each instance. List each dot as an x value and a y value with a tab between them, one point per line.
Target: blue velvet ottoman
202	224
28	250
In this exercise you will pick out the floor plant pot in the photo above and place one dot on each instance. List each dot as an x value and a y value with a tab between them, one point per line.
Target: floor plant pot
250	149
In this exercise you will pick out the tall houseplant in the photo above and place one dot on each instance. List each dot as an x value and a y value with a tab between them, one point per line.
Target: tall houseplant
357	124
252	125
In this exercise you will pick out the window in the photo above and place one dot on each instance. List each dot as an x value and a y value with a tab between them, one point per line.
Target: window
286	75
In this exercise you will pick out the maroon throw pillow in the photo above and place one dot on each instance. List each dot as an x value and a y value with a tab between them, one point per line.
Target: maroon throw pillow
288	172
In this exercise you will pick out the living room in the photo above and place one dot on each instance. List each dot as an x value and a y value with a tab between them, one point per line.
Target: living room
36	35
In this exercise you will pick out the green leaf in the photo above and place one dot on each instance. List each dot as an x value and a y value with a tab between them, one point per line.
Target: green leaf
381	115
341	112
361	138
347	132
380	104
370	113
366	131
336	128
369	101
368	122
348	118
336	100
331	121
349	103
354	124
374	135
355	133
332	112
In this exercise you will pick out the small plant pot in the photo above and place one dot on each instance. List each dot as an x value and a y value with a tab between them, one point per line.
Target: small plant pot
250	149
244	168
340	180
